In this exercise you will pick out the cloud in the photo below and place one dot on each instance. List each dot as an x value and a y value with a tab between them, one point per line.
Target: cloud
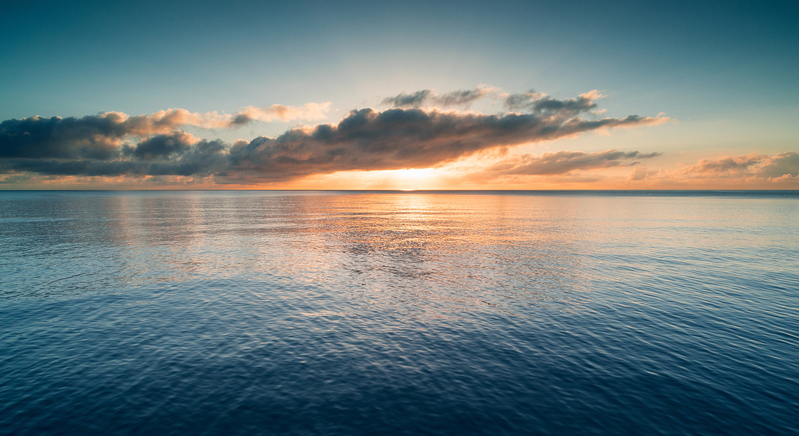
754	170
641	173
522	100
404	138
462	97
753	165
100	136
781	165
563	162
309	111
541	103
429	97
90	137
114	143
178	153
726	164
410	100
173	118
166	120
163	146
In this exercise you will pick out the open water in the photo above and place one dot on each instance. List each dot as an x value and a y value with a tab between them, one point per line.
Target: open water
158	313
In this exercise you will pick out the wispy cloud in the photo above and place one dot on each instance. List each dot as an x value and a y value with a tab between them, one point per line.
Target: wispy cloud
749	165
308	111
425	97
753	169
726	164
563	162
536	102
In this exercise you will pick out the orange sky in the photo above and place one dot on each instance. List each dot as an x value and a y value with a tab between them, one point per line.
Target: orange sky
412	141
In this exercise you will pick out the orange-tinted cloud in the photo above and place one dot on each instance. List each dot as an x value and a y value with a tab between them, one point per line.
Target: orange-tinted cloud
308	111
726	165
563	162
405	138
754	170
364	140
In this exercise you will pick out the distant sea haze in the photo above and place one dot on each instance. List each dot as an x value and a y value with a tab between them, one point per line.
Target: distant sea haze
348	312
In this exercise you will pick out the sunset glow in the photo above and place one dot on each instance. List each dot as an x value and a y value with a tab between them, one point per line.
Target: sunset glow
418	217
475	110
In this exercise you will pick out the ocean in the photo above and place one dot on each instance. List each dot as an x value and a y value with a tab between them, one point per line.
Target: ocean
361	313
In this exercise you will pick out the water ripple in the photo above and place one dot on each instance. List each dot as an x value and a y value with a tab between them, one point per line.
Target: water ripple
422	313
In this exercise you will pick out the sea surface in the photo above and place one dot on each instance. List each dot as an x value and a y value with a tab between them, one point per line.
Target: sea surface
382	313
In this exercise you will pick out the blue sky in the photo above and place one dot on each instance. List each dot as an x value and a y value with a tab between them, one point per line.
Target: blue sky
724	72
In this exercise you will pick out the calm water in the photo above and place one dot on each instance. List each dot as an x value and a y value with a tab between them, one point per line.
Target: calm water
398	313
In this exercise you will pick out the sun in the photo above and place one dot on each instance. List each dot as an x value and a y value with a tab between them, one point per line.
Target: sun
411	179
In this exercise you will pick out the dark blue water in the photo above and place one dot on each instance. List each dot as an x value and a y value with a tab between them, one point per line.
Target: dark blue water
399	313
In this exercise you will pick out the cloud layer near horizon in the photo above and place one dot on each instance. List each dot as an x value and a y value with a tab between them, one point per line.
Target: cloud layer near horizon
404	138
113	144
563	162
99	136
751	169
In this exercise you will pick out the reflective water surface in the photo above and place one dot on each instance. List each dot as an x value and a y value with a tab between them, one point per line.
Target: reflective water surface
398	313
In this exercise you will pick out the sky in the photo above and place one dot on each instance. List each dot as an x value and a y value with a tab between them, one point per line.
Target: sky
399	95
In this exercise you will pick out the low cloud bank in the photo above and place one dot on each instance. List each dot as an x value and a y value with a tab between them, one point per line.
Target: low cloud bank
99	136
406	136
752	169
563	162
783	165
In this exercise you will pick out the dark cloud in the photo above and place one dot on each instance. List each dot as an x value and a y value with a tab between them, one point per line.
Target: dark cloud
522	100
99	136
162	146
365	139
76	167
462	97
403	138
90	137
176	157
240	120
575	105
563	162
429	97
410	100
